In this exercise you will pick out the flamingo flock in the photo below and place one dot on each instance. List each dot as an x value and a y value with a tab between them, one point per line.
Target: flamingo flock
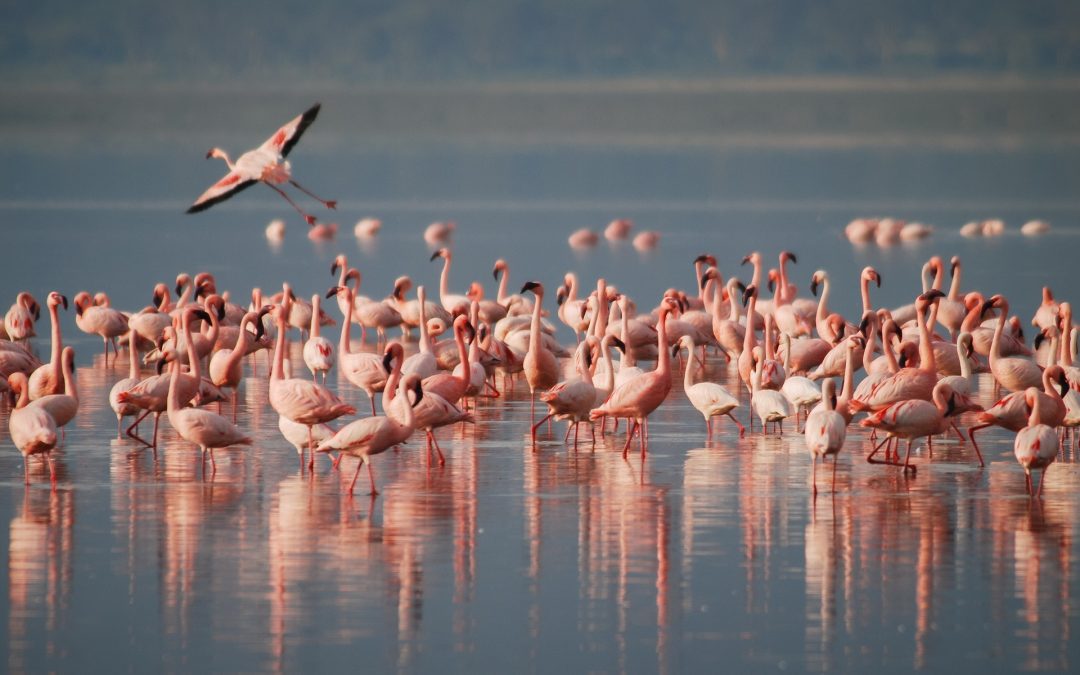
919	363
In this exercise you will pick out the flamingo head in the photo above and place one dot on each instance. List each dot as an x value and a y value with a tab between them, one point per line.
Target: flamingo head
786	256
413	383
82	300
967	343
560	295
161	294
706	258
954	264
753	258
532	286
748	292
500	266
441	253
869	318
339	262
401	286
774	276
56	299
333	291
871	274
392	351
182	280
817	280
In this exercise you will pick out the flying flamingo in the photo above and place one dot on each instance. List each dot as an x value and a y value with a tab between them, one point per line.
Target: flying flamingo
32	428
639	397
825	431
265	164
49	378
1036	445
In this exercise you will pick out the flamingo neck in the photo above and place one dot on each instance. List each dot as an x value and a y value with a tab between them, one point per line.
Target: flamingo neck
887	350
749	341
391	387
926	349
193	358
343	340
849	374
605	354
999	328
733	304
277	371
240	349
70	387
313	331
1035	417
1048	386
939	277
965	363
864	288
954	288
663	358
688	374
57	346
823	302
444	279
425	337
627	359
603	310
133	357
463	354
222	155
24	395
501	297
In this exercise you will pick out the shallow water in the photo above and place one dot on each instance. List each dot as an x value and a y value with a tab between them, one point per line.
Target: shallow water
505	559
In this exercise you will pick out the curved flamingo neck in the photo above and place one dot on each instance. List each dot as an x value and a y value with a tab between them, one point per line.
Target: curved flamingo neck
972	318
1033	400
999	328
939	276
222	155
240	349
784	292
24	395
688	372
864	288
193	358
390	389
823	301
733	303
939	399
849	373
463	354
1048	386
965	363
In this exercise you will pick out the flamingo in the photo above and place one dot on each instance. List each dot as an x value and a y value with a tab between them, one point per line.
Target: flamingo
800	391
49	378
573	399
423	363
541	368
618	229
301	401
318	351
710	399
769	404
825	431
1036	445
1013	373
104	321
639	397
453	303
32	428
1047	312
226	365
151	322
1012	411
364	370
265	164
20	318
126	409
204	428
365	438
63	407
915	418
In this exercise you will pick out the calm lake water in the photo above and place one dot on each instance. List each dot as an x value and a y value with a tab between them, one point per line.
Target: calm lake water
708	553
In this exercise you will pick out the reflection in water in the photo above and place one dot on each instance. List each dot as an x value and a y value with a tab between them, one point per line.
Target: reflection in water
40	551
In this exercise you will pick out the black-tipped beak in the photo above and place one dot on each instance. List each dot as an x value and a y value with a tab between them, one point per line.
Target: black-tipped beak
952	268
864	325
986	307
179	287
529	286
78	309
200	291
740	285
209	153
902	360
495	272
792	258
334	290
433	256
334	268
813	286
747	293
877	278
772	285
64	301
932	294
588	360
471	329
1063	382
156	299
619	344
260	330
704	278
745	260
37	310
701	258
419	391
221	311
387	359
160	368
675	350
201	314
1039	339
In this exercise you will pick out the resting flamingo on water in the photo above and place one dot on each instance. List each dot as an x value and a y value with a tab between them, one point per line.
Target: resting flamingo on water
32	428
49	378
265	164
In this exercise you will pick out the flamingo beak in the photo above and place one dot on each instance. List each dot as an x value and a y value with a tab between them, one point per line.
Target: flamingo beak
813	286
419	391
209	153
221	311
748	292
745	260
619	344
334	290
902	360
434	255
387	360
201	314
160	366
791	257
1039	339
877	279
64	300
495	272
772	285
179	287
702	258
334	268
675	350
1063	382
530	286
952	268
260	330
931	295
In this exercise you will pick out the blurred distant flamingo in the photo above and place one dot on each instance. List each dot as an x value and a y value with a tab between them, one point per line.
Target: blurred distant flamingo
265	164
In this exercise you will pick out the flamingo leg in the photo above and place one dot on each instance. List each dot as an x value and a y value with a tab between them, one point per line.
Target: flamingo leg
52	471
971	435
371	476
907	455
835	460
327	203
336	462
742	429
575	435
537	426
131	429
356	475
309	219
643	436
629	438
1042	479
311	449
26	469
813	473
435	442
566	436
